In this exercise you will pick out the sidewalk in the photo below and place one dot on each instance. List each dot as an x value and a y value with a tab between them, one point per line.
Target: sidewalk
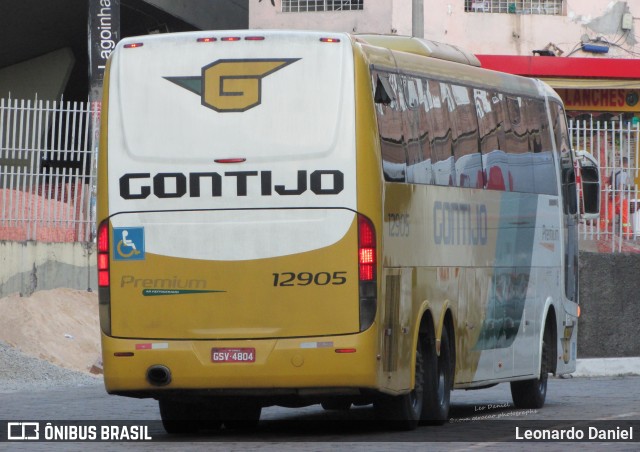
607	367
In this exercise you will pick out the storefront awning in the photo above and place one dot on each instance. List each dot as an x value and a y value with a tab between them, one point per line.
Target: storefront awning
570	73
590	83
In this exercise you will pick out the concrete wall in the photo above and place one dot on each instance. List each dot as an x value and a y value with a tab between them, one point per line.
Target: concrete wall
27	267
609	289
610	305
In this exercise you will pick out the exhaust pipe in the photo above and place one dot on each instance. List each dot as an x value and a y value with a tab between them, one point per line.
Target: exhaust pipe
159	375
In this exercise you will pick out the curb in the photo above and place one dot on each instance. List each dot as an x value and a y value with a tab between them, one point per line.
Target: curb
607	367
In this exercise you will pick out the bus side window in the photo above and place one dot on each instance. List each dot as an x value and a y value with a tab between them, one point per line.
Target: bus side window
544	174
389	117
417	131
569	193
519	147
441	117
487	120
468	160
496	166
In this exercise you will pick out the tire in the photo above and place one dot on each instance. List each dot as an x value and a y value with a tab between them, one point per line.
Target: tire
242	416
181	418
403	412
437	381
533	393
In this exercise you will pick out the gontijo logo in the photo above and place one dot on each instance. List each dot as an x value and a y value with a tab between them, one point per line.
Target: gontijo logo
232	85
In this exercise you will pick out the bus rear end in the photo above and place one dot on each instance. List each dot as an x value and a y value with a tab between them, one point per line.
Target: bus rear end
232	258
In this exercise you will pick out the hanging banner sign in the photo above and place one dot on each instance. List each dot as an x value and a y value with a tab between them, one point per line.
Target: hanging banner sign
611	100
104	34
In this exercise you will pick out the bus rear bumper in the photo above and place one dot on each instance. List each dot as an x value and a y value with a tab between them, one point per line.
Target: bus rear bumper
333	364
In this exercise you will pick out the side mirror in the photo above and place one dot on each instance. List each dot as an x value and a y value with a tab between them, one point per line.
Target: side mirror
589	176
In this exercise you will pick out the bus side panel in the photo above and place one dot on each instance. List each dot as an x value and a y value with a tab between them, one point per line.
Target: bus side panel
489	256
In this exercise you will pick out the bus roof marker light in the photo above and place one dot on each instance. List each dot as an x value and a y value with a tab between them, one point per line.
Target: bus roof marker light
230	38
133	45
207	39
329	40
254	38
231	160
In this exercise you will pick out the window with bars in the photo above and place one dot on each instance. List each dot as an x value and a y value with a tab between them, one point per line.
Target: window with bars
551	7
300	6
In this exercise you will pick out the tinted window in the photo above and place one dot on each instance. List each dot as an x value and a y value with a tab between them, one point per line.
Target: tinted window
468	160
519	152
389	105
419	145
439	120
544	172
440	133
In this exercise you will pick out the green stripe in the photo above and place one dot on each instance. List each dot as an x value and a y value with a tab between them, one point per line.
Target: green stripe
162	292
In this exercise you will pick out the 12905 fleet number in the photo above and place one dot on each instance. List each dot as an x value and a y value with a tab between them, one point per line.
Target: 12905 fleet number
288	279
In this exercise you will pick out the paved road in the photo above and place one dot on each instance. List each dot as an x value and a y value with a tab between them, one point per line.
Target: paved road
597	402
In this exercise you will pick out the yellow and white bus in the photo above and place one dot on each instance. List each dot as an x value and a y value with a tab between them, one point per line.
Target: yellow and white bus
291	218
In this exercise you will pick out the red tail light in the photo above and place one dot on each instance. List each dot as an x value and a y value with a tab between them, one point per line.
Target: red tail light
366	249
367	262
103	254
104	293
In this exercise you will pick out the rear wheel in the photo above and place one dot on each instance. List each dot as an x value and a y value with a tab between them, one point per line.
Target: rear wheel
438	377
403	412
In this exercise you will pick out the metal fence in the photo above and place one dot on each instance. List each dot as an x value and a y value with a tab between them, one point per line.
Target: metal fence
611	143
47	171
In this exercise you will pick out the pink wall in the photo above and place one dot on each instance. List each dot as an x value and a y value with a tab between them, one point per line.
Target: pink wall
446	21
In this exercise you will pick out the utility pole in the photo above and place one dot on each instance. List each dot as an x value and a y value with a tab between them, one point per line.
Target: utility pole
417	18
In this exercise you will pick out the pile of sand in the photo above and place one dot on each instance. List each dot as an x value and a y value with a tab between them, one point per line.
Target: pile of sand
60	326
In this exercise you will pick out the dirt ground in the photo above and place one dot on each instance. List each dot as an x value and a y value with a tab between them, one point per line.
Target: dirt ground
60	326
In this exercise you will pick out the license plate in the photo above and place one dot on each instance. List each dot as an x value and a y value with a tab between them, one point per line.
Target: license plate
233	355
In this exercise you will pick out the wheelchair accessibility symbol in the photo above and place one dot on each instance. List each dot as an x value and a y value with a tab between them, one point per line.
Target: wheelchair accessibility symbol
129	244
